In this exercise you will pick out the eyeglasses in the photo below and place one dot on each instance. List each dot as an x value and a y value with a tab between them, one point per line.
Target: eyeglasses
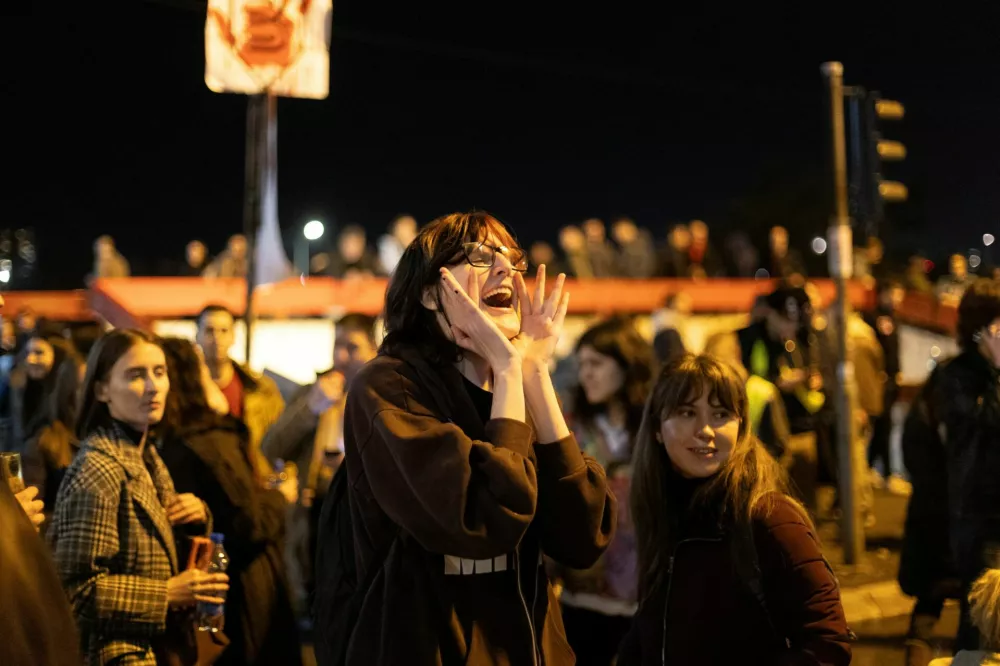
482	255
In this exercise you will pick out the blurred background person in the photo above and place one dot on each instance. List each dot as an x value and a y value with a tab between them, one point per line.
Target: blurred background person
615	375
540	253
254	399
673	261
668	346
8	346
883	321
784	262
742	256
966	402
602	255
353	258
108	261
310	433
770	348
768	420
916	276
950	287
574	247
195	259
233	262
703	260
23	395
52	445
926	566
636	253
675	315
209	453
402	231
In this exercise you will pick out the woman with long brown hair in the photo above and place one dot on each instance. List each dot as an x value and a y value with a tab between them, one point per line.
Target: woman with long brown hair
730	569
615	374
209	452
51	449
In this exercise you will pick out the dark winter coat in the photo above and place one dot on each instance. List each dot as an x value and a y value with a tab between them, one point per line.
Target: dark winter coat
712	617
967	404
213	462
925	562
464	510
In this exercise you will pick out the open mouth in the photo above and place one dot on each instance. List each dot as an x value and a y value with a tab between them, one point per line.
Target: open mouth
501	298
704	451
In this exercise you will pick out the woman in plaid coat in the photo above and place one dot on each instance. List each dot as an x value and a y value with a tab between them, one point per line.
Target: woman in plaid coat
112	530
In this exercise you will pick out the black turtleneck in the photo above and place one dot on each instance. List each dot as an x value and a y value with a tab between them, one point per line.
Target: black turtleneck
681	489
688	521
135	436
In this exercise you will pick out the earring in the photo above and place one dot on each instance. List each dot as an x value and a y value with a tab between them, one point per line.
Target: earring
977	337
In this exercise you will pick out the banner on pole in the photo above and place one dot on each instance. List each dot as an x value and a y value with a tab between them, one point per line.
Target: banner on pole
281	47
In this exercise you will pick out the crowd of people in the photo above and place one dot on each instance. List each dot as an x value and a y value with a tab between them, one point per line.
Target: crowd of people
455	494
588	251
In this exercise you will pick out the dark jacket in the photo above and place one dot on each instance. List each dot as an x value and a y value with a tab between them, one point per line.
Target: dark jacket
213	461
711	617
966	402
925	562
464	510
46	456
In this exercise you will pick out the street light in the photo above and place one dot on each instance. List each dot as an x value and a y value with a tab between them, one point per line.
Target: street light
313	230
988	239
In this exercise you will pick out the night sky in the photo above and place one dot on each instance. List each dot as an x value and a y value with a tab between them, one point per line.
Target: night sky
543	117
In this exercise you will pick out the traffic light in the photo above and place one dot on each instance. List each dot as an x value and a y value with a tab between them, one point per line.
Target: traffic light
883	150
869	191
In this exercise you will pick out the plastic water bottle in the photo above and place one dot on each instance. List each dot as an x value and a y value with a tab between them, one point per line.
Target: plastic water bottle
211	617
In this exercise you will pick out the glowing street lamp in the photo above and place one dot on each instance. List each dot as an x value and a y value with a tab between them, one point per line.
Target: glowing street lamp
313	230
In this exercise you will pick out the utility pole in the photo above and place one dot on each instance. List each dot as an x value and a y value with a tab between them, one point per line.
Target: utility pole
258	113
841	260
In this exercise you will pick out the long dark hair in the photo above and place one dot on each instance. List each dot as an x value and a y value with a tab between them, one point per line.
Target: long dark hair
38	393
63	403
618	339
104	354
407	322
187	408
744	489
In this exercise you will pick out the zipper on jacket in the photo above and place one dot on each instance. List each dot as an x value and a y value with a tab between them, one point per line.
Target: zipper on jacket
524	604
670	581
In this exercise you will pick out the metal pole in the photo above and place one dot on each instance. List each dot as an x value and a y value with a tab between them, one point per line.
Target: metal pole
301	247
841	266
257	113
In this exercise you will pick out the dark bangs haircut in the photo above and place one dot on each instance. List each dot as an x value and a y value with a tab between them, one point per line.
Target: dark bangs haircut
744	489
407	322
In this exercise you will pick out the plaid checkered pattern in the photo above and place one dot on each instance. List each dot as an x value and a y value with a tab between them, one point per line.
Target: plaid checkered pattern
114	546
